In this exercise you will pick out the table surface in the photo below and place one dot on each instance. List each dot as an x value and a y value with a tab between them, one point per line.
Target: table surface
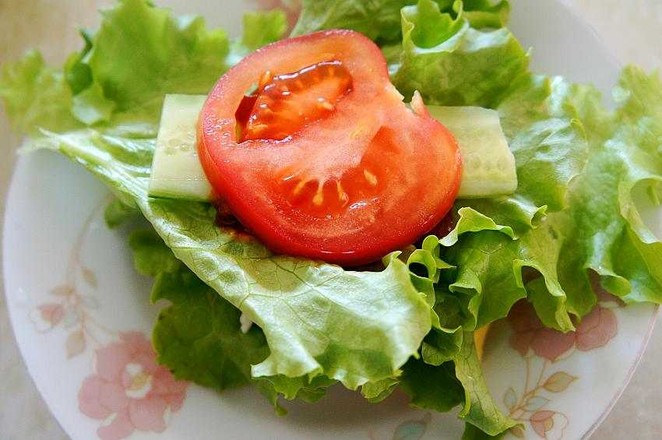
630	29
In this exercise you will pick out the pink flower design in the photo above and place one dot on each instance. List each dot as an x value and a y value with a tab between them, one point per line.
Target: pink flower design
595	330
130	391
530	336
549	425
46	316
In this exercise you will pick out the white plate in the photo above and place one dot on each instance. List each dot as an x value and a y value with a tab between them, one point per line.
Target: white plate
82	316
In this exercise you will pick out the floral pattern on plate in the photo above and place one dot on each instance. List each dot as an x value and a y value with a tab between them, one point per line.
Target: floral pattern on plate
531	339
128	389
32	243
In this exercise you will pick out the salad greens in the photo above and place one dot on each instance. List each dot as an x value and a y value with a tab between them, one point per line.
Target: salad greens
572	224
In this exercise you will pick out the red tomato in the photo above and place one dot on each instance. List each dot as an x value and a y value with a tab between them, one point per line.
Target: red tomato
314	151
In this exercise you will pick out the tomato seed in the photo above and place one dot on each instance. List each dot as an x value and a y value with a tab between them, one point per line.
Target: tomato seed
287	102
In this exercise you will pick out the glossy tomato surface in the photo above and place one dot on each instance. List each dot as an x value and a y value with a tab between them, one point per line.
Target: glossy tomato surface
314	151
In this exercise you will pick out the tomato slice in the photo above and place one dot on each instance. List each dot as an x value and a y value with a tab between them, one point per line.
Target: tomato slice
315	153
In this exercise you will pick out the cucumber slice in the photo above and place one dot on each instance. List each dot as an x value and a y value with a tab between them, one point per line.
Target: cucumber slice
489	165
176	169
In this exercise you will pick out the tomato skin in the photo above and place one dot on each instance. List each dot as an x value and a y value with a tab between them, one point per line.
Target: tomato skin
367	178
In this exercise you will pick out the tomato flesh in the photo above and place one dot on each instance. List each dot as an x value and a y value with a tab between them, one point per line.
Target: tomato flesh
284	103
324	160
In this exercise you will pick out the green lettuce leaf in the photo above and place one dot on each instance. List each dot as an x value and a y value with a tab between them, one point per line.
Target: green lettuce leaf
201	337
354	327
36	96
480	409
379	20
451	63
441	386
428	25
609	231
164	54
432	387
198	335
575	212
260	29
153	53
487	13
118	213
551	149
